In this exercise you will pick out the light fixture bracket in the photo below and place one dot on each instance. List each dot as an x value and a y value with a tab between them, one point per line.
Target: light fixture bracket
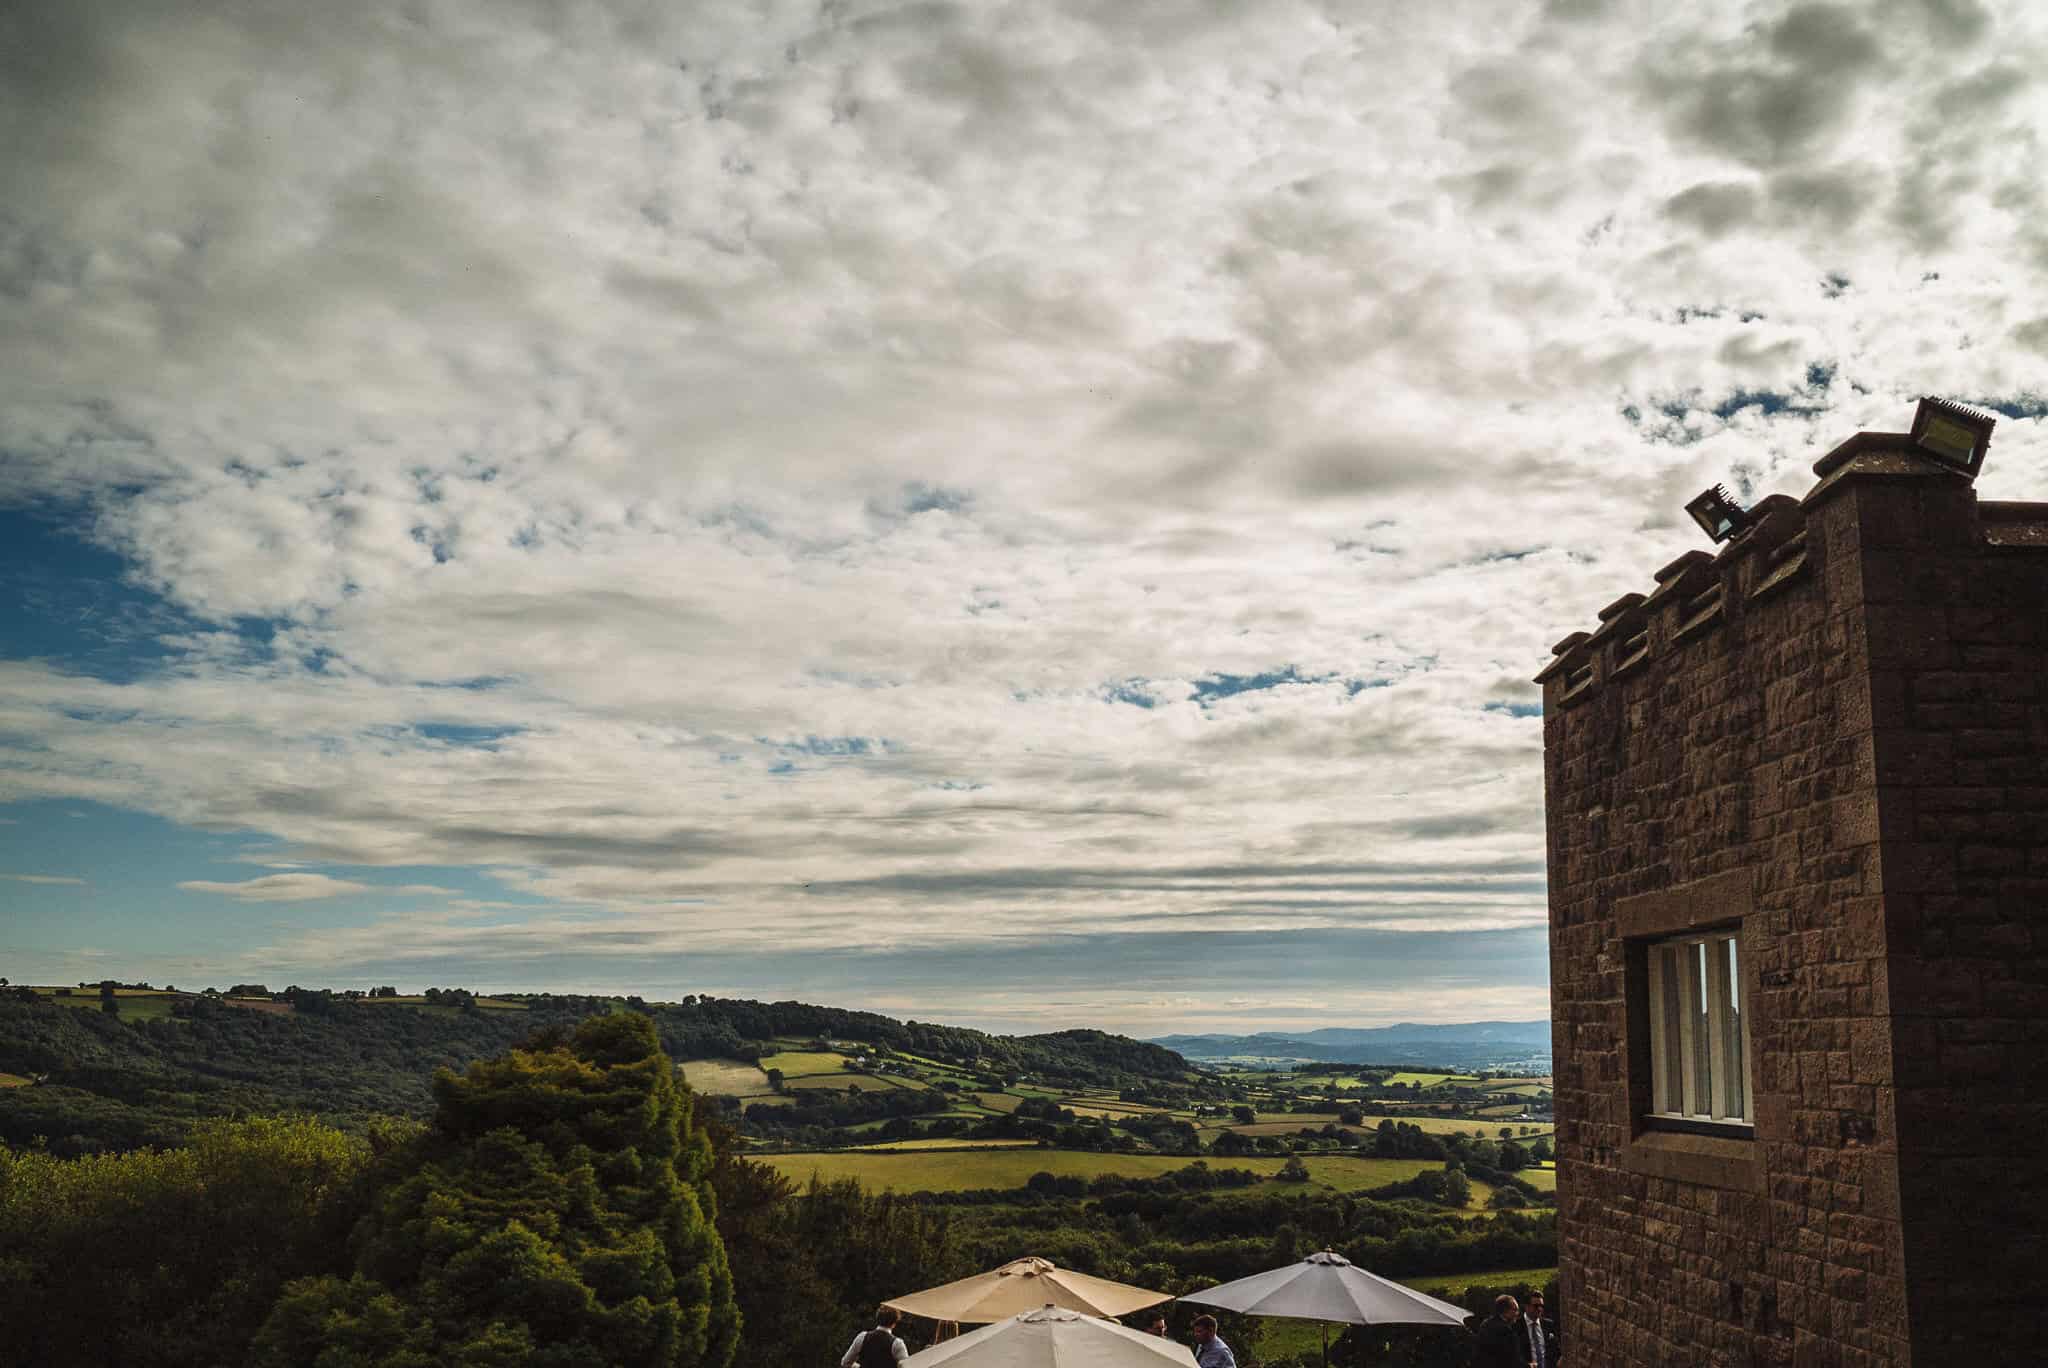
1953	434
1717	513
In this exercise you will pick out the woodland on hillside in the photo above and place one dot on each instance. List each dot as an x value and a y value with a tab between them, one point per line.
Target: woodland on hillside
393	1188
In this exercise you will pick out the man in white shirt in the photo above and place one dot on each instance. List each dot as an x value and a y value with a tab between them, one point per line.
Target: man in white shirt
876	1348
1542	1336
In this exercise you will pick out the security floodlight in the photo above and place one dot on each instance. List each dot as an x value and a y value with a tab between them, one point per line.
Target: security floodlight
1717	513
1954	435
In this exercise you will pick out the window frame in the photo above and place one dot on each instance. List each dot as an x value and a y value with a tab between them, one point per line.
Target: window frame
1724	1156
1697	1013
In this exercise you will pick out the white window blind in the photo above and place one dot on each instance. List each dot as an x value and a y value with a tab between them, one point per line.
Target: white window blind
1699	1030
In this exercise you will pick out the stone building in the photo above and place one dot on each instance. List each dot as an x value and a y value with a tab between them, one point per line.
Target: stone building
1798	856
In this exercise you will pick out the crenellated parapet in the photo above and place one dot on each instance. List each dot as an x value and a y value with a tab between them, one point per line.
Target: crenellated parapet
1778	551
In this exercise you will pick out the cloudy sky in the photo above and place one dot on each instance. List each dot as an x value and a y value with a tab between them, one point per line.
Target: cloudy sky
1027	514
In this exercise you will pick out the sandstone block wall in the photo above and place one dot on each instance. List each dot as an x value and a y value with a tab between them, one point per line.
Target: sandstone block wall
1835	734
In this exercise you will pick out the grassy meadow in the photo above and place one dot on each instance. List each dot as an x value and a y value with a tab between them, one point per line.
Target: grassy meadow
797	1064
728	1077
962	1170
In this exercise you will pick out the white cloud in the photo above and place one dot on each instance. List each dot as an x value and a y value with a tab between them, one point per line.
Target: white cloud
278	888
42	879
815	436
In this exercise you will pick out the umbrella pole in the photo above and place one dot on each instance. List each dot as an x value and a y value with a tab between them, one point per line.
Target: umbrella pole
1326	1342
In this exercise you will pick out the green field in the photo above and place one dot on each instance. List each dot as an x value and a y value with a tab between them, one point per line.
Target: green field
998	1102
959	1170
1098	1109
1284	1127
946	1143
840	1082
1433	1080
1542	1179
135	1004
415	1000
805	1063
1455	1125
8	1080
1455	1284
724	1077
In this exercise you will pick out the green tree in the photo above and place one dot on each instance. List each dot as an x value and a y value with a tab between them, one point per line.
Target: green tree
1293	1171
169	1257
558	1212
1244	1116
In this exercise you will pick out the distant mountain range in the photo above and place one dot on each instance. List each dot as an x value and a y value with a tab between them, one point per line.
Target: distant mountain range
1407	1042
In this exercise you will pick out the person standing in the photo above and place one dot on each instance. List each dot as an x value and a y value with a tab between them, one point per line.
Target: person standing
1210	1350
1500	1342
1542	1334
877	1348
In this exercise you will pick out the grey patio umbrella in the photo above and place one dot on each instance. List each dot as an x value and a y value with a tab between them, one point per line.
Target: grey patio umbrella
1329	1288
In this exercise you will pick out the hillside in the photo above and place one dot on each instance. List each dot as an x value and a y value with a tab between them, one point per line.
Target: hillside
92	1080
1462	1043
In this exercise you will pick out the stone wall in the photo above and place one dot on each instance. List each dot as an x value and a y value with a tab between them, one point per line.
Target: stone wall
1959	658
1804	735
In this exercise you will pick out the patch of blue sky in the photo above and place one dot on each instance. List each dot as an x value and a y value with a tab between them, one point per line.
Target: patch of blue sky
78	606
834	747
71	603
1136	692
464	733
1515	709
129	916
1214	686
1767	402
1208	689
919	497
2018	406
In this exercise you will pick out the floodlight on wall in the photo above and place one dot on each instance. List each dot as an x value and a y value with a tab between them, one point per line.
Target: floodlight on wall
1717	513
1954	435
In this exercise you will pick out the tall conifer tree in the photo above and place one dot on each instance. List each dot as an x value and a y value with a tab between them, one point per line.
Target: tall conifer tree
559	1212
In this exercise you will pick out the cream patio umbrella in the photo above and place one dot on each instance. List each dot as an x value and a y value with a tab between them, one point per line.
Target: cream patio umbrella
1054	1337
1328	1287
1025	1285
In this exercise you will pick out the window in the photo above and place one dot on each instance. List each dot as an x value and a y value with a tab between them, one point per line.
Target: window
1699	1032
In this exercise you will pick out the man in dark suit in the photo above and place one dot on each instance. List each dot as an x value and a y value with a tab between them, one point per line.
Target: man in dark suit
1499	1341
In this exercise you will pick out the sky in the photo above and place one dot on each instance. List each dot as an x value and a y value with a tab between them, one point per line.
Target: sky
1024	514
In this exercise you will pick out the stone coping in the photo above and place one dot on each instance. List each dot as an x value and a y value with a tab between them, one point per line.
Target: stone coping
1707	1160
